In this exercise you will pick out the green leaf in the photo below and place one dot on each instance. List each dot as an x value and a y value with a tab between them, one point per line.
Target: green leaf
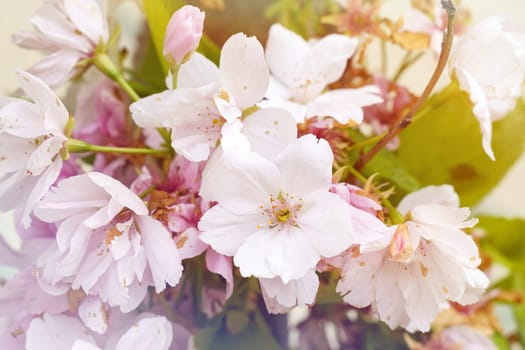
507	236
444	145
504	242
388	167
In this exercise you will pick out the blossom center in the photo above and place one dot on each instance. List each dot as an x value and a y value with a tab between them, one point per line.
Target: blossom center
283	210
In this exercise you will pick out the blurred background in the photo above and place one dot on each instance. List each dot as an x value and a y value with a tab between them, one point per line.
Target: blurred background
505	200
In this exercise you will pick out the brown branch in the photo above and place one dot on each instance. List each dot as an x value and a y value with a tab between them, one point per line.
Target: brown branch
446	46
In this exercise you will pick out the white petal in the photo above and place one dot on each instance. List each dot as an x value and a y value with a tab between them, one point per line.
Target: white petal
359	277
269	131
163	257
52	109
225	232
150	333
42	185
276	253
88	18
297	110
94	315
285	51
325	219
223	266
53	23
280	297
57	67
118	192
241	182
442	216
306	165
344	105
440	195
55	332
243	70
481	108
331	54
389	300
196	72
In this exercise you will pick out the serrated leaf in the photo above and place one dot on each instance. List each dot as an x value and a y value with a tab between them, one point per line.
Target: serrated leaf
444	145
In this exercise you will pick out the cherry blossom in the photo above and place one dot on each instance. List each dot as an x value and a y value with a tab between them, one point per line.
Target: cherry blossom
409	274
492	42
200	115
302	70
31	139
69	31
272	216
106	243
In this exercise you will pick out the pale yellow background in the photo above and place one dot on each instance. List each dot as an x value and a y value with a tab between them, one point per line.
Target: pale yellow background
507	199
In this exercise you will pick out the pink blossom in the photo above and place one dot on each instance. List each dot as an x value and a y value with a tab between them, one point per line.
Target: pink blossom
31	139
106	243
183	33
411	272
68	31
275	217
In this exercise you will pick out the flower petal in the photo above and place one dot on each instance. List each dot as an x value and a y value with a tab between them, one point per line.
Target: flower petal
198	71
243	70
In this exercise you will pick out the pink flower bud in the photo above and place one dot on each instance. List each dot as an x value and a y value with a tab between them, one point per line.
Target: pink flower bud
183	33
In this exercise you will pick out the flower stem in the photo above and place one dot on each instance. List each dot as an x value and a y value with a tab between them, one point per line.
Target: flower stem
106	66
446	46
78	146
395	215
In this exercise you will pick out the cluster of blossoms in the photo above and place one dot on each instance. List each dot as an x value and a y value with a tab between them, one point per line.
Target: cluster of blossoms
138	209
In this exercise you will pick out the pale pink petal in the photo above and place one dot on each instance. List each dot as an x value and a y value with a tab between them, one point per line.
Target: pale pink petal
280	297
225	231
233	140
149	333
55	332
94	314
306	165
330	231
297	110
481	108
52	109
241	183
243	70
344	105
84	345
190	244
87	16
331	54
222	265
359	277
285	51
57	67
118	192
389	300
440	195
271	253
269	131
53	23
42	185
442	216
162	254
32	40
196	72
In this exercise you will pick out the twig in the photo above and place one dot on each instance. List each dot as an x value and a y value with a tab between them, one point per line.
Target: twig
446	46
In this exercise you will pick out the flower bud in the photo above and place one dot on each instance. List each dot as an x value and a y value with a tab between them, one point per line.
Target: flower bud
183	34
